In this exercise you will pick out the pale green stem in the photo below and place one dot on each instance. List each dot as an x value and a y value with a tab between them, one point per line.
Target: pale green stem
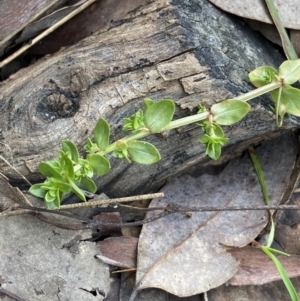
194	118
259	91
185	121
272	233
279	124
172	125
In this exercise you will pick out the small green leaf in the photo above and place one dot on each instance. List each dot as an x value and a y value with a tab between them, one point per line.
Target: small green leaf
262	76
135	122
121	154
47	169
201	108
213	139
143	152
117	153
61	186
99	164
37	191
101	134
290	100
159	115
229	111
206	139
68	166
69	146
148	102
218	131
90	146
83	168
88	184
58	198
49	198
122	151
77	190
289	71
50	205
213	151
52	192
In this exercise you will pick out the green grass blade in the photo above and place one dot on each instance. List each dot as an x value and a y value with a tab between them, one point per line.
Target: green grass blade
259	173
287	282
285	40
278	252
272	233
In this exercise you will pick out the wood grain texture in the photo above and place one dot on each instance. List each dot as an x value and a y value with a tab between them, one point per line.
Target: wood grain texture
188	51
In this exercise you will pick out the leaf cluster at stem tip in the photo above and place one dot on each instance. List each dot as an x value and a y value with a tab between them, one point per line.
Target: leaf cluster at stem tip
285	97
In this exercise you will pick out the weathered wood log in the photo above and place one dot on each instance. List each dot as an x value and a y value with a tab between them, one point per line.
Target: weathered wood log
188	51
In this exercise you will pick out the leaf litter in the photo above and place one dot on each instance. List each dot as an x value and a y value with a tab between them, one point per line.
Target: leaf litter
41	262
257	269
187	256
258	10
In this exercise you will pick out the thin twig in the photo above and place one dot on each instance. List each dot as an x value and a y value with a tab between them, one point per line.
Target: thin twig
46	32
172	208
169	209
21	209
15	170
112	201
183	209
123	270
233	208
10	295
66	226
12	165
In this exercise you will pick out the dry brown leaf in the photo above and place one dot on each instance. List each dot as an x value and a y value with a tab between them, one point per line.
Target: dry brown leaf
33	29
15	15
258	15
256	268
288	238
184	256
267	30
287	232
10	195
109	217
96	18
119	251
289	10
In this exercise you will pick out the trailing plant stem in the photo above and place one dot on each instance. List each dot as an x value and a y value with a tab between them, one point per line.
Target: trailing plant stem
259	91
191	119
194	118
278	123
186	120
172	125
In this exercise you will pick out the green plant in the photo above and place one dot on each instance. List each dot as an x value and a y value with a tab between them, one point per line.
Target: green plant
65	174
285	278
270	252
286	101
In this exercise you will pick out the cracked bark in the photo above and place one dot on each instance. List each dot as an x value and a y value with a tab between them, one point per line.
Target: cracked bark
188	51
